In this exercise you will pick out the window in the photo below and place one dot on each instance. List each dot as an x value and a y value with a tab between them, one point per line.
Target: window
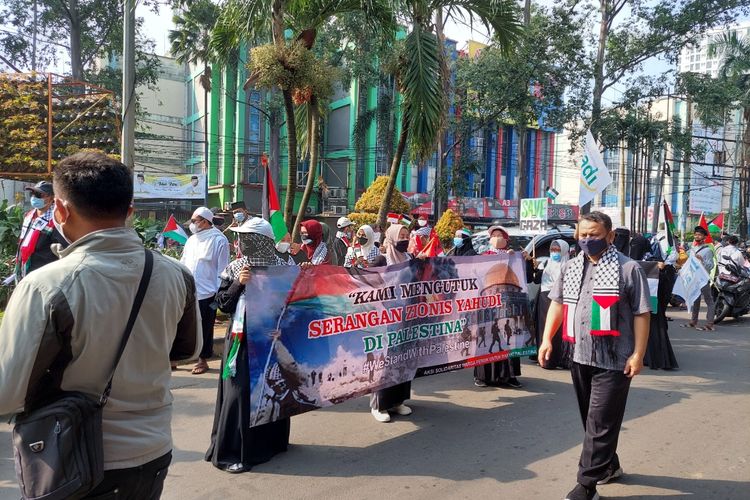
338	129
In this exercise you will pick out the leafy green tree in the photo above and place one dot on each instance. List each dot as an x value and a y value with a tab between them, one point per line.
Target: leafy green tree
420	73
542	78
190	44
251	19
84	29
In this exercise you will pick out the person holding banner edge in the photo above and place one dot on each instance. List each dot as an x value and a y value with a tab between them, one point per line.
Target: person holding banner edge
392	399
235	446
601	299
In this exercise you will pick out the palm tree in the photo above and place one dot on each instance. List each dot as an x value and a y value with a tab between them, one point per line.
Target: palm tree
250	20
421	72
735	69
190	43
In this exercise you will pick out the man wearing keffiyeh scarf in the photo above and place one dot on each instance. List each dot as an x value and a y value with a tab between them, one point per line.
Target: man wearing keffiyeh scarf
601	298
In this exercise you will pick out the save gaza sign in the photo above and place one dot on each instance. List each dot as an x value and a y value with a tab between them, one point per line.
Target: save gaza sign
533	215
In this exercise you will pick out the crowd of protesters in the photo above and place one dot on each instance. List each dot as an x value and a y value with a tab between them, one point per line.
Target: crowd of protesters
77	230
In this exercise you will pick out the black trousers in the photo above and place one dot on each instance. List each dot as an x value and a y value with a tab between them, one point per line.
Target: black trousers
208	317
137	483
602	395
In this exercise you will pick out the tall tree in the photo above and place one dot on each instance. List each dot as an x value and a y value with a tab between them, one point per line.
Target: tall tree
77	32
630	33
190	44
251	20
420	79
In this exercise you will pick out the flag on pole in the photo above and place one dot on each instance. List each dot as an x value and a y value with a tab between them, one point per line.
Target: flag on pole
716	224
693	276
275	216
552	193
670	227
396	218
174	231
702	223
651	269
594	173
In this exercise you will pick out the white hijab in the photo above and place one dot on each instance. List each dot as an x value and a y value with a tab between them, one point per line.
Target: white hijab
552	269
367	248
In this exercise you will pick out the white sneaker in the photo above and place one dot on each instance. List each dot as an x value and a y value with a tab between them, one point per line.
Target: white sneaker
401	410
380	416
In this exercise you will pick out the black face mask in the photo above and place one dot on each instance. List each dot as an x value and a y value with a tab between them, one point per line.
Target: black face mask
362	240
402	246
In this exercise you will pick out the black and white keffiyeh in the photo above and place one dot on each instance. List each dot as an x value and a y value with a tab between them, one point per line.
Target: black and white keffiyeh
606	294
257	250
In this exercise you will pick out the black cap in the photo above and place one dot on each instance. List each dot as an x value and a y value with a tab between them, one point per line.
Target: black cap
237	205
700	229
43	188
194	178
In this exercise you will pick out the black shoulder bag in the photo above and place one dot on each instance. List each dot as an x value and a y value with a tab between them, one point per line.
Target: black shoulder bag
58	446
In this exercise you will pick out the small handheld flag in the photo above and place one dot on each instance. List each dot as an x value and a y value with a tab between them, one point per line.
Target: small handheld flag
552	193
174	231
716	224
274	208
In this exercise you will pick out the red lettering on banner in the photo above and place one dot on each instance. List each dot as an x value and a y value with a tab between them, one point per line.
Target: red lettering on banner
352	322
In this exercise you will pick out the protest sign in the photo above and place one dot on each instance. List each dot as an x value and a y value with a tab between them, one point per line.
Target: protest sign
321	336
533	215
693	276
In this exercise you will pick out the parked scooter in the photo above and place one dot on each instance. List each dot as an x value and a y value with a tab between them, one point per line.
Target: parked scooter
732	291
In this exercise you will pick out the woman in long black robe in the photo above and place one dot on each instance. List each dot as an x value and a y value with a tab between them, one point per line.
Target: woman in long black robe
235	446
659	352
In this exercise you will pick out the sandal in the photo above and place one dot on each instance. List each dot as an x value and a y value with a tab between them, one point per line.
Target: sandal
200	367
689	325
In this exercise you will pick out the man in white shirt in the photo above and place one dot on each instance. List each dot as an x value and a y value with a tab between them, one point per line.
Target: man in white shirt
206	254
729	252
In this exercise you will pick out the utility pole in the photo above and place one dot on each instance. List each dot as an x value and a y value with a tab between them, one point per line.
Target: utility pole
686	168
621	188
33	36
127	145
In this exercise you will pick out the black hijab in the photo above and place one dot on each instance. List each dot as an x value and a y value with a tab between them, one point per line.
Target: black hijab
622	240
639	246
467	248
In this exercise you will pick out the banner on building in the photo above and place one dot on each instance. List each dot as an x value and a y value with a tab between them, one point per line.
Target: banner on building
176	187
321	336
533	214
486	208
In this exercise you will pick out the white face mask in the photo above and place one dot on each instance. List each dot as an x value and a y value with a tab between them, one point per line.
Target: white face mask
59	228
283	246
194	228
422	222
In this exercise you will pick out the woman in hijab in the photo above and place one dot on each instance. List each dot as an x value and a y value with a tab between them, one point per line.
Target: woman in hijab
639	247
502	373
559	253
235	446
622	240
311	232
363	252
462	245
392	399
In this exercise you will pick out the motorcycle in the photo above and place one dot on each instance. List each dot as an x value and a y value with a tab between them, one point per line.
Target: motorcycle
732	291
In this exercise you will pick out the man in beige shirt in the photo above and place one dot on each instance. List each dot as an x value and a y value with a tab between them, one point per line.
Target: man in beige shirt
63	325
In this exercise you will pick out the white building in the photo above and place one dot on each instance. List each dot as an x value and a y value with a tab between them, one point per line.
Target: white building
697	58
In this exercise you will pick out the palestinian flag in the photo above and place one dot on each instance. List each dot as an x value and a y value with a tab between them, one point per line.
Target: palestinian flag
552	193
652	275
602	321
716	225
670	227
702	223
275	217
174	231
395	218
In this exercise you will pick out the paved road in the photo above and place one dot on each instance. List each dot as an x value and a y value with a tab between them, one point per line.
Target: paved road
686	435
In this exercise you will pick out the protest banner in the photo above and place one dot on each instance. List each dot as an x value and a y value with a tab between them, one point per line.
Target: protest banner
693	276
533	215
321	336
177	187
